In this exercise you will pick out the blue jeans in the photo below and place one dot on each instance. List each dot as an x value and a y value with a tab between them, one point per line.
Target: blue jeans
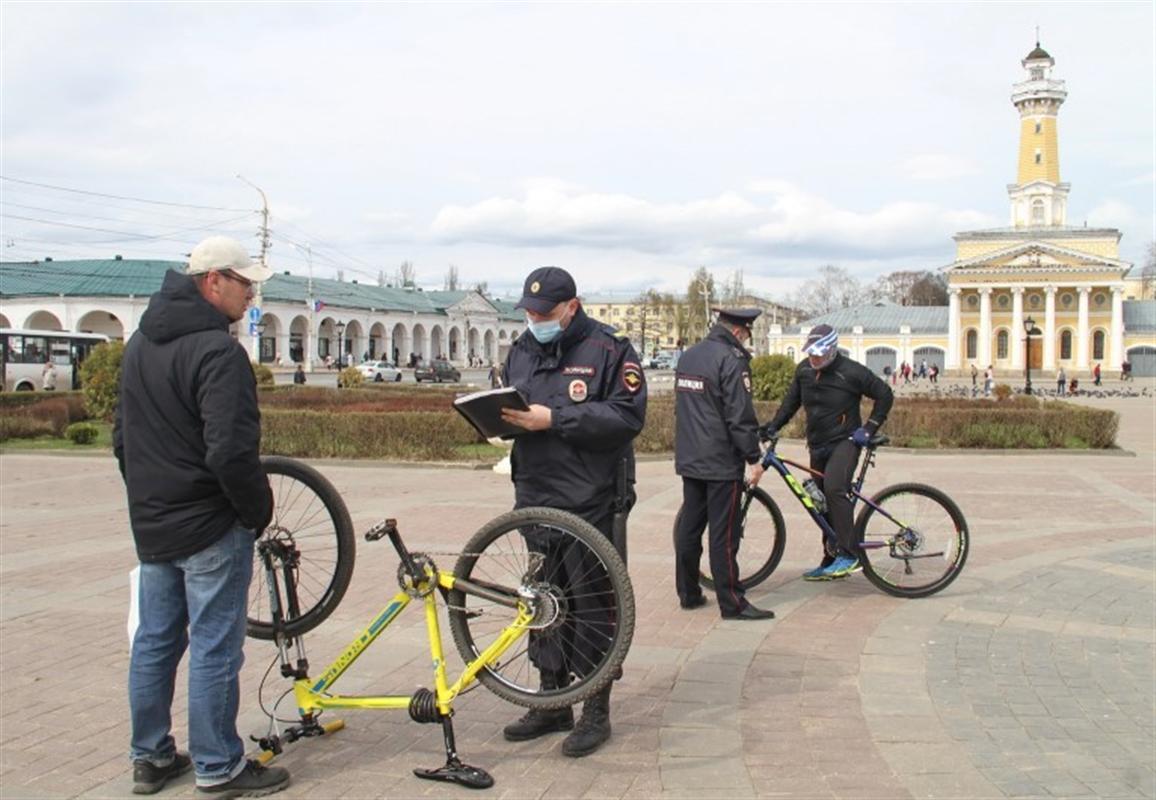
198	602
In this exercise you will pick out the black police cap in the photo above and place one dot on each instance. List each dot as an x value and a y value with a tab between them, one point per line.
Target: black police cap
545	288
739	316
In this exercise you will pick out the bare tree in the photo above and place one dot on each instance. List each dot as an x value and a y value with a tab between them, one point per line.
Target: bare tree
910	288
700	297
381	277
1148	274
481	287
451	282
406	275
733	289
832	289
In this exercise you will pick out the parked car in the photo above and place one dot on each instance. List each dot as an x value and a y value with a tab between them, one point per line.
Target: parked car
437	370
378	371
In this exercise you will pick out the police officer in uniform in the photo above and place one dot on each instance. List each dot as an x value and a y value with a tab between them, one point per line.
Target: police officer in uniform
716	437
587	401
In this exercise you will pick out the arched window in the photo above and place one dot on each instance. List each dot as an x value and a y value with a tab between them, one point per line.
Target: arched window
1037	212
791	353
972	344
1066	345
1098	345
1001	345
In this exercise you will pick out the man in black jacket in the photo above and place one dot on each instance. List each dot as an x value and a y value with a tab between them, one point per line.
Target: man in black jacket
716	436
187	439
587	399
829	387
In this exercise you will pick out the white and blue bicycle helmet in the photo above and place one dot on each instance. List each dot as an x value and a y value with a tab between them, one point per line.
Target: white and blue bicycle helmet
822	343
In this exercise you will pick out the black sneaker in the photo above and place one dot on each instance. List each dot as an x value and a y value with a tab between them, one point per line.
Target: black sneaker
148	778
254	780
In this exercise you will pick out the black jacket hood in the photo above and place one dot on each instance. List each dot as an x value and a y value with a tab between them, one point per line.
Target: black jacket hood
179	309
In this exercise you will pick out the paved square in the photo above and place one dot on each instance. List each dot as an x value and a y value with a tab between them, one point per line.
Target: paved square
1031	676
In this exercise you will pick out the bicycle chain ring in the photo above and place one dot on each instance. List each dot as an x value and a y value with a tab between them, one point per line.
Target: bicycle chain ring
425	566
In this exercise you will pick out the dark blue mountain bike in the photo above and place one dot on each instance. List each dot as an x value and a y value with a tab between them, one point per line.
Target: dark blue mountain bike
913	538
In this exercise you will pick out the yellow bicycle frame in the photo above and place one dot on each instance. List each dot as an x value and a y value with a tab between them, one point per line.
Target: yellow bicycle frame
312	694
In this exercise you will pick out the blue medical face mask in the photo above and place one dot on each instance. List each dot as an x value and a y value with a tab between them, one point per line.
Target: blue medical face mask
545	331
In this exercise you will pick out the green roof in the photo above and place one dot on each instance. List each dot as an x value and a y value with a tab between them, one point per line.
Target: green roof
103	278
124	277
879	318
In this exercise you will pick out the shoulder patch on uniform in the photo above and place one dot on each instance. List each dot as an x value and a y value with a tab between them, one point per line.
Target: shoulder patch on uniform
632	377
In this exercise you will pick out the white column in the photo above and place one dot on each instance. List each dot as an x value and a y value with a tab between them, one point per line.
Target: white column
1116	352
985	326
1017	341
1050	327
953	360
309	347
281	347
1082	329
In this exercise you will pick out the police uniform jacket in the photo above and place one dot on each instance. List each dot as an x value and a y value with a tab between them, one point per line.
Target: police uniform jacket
831	398
717	431
592	382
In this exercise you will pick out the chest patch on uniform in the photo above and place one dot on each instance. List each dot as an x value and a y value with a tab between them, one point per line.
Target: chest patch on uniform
690	383
747	382
587	371
578	391
632	377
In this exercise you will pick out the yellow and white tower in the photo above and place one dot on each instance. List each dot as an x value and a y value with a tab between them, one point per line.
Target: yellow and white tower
1038	199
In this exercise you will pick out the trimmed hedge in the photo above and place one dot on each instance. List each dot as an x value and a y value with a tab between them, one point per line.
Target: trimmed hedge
1021	422
23	427
13	400
402	435
47	414
82	433
367	399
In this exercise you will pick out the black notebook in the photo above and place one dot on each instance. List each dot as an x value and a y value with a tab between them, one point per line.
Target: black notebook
483	410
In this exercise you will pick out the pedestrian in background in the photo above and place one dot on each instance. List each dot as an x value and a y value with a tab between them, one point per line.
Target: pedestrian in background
48	376
1061	382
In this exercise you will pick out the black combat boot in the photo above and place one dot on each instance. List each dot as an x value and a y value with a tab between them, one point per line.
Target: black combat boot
537	723
593	727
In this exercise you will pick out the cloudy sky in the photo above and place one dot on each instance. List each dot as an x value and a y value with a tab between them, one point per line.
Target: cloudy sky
631	143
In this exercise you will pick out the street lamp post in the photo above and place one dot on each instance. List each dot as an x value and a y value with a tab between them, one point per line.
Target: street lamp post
1030	330
260	327
340	345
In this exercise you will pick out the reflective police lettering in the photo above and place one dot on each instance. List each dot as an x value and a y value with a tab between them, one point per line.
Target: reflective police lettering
575	370
690	383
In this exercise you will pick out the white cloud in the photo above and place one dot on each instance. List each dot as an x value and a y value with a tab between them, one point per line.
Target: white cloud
552	212
938	167
1113	213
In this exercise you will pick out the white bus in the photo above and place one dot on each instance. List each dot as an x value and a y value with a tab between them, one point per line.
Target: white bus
23	354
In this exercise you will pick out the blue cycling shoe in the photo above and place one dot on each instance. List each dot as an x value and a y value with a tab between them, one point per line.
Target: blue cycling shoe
816	574
841	567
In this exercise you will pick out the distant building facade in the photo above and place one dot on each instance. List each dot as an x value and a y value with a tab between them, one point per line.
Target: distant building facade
1069	281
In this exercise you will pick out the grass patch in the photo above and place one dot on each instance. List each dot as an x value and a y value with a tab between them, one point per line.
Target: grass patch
480	452
103	441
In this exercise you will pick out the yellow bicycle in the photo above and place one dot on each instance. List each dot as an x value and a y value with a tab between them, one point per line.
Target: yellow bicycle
531	587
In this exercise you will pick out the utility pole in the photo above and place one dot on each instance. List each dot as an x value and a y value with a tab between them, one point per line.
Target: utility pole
307	356
706	308
265	245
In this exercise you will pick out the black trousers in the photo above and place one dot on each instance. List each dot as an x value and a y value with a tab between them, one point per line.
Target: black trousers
837	462
716	502
576	647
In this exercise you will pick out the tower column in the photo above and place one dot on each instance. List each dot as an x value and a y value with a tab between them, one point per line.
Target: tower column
1050	327
1017	342
1082	329
1117	331
953	360
985	326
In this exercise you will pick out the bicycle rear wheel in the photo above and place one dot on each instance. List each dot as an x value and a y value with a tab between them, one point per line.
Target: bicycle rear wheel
312	529
916	544
764	537
569	573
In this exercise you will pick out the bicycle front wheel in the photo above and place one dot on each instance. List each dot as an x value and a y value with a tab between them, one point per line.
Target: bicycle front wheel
314	534
914	540
763	538
569	574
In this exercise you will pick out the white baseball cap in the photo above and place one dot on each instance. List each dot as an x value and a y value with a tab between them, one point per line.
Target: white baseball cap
222	252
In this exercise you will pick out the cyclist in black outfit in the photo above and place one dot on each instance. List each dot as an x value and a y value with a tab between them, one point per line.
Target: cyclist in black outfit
830	386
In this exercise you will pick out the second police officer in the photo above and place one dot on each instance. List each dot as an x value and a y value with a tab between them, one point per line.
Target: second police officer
716	438
587	402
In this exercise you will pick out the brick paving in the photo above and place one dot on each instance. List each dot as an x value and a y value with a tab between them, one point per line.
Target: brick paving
1031	676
